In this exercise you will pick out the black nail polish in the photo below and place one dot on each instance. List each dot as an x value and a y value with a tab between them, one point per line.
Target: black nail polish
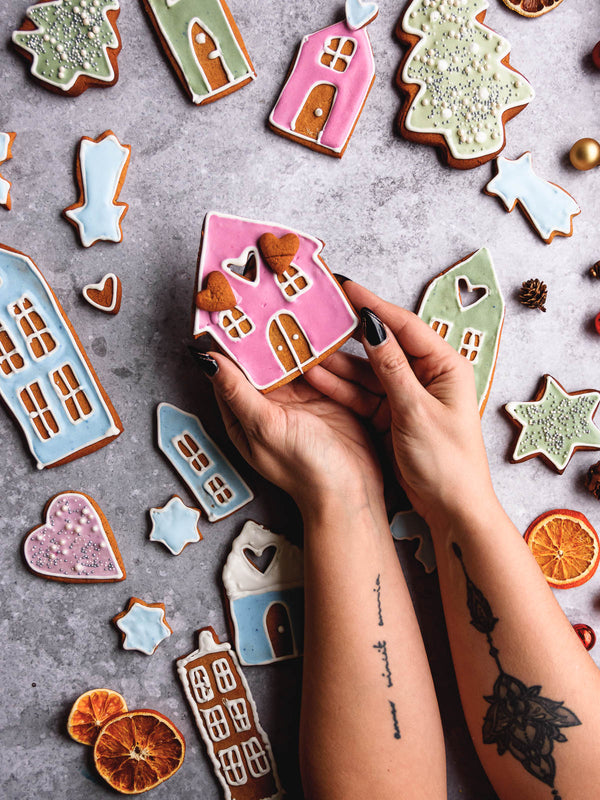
341	279
373	329
207	363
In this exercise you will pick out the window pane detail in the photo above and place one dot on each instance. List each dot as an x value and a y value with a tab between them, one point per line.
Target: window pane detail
216	724
471	344
36	405
338	53
256	757
10	359
238	711
232	766
192	452
200	683
223	675
236	324
440	327
71	394
293	281
218	489
37	336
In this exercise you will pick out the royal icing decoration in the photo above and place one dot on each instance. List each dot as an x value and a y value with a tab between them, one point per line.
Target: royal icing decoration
360	13
101	168
75	544
326	88
175	525
264	579
226	716
69	40
204	45
214	481
458	82
282	324
555	424
6	140
106	295
46	380
407	526
548	207
464	305
143	626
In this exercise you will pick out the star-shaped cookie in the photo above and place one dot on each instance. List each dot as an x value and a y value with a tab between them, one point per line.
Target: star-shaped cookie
555	424
143	625
175	525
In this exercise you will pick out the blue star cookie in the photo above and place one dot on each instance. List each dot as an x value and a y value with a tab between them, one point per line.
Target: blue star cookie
143	625
175	525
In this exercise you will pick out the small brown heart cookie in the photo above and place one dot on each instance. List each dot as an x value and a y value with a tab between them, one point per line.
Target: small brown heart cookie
279	253
218	294
106	295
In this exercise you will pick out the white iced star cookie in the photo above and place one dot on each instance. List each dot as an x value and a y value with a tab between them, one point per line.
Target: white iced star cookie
555	424
175	525
143	625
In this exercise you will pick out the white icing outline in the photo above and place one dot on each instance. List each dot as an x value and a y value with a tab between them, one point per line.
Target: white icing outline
292	128
362	7
301	367
163	622
6	356
470	288
24	314
241	261
235	323
64	397
158	510
216	53
38	412
294	653
291	279
100	287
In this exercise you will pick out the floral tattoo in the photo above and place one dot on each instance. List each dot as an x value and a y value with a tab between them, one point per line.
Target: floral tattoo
519	720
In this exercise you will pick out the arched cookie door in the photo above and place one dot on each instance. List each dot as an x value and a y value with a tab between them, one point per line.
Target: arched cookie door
208	57
279	630
315	111
289	342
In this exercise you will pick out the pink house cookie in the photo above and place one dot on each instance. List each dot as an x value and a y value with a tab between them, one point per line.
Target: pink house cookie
268	299
328	84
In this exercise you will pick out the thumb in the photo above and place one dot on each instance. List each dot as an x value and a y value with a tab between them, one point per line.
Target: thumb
390	364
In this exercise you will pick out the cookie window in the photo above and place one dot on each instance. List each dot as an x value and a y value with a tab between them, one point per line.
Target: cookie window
37	335
235	323
200	683
223	675
72	396
10	358
238	711
232	766
216	724
218	489
292	282
41	416
338	52
471	344
189	448
256	757
440	327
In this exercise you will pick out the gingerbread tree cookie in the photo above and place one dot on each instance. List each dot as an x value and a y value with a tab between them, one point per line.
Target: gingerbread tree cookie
460	88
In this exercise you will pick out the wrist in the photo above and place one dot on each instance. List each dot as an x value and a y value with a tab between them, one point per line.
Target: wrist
472	515
344	510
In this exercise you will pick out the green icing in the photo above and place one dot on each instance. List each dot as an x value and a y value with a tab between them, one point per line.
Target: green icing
556	424
175	20
71	40
465	88
441	305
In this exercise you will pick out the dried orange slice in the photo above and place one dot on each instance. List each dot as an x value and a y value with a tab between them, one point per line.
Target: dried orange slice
90	711
138	750
566	547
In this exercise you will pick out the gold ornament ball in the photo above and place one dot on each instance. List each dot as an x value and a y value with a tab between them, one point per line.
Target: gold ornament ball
585	154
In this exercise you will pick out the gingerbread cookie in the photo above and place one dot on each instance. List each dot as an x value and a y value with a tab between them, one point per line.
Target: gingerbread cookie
459	86
226	716
106	295
328	83
101	169
281	321
204	46
46	379
555	424
6	141
264	584
531	8
175	525
464	305
75	544
72	44
548	207
143	626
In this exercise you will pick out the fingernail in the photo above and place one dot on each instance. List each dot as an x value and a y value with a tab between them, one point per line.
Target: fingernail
207	363
341	278
373	328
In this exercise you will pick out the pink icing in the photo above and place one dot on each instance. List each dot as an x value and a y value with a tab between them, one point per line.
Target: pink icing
322	310
352	85
72	543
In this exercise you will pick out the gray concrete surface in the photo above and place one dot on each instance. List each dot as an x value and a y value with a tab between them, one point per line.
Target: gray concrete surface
392	216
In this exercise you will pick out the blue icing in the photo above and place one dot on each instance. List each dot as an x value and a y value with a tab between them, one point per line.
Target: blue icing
144	628
359	13
249	617
101	164
173	424
175	525
19	278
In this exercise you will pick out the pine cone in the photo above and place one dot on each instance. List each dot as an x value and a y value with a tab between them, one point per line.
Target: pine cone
595	270
592	480
533	293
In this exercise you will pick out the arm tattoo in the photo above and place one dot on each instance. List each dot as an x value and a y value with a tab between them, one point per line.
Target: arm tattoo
519	720
377	590
381	647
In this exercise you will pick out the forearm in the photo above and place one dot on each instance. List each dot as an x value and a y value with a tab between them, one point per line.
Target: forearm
369	723
508	634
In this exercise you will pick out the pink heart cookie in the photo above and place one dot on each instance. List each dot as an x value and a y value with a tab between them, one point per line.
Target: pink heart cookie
75	544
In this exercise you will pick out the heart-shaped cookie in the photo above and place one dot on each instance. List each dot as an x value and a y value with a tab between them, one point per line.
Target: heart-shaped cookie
75	544
278	252
106	295
360	13
218	294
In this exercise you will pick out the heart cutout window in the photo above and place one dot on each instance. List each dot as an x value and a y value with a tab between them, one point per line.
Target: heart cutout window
260	561
469	295
246	266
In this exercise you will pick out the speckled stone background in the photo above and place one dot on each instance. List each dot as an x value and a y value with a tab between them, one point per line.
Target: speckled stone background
392	216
